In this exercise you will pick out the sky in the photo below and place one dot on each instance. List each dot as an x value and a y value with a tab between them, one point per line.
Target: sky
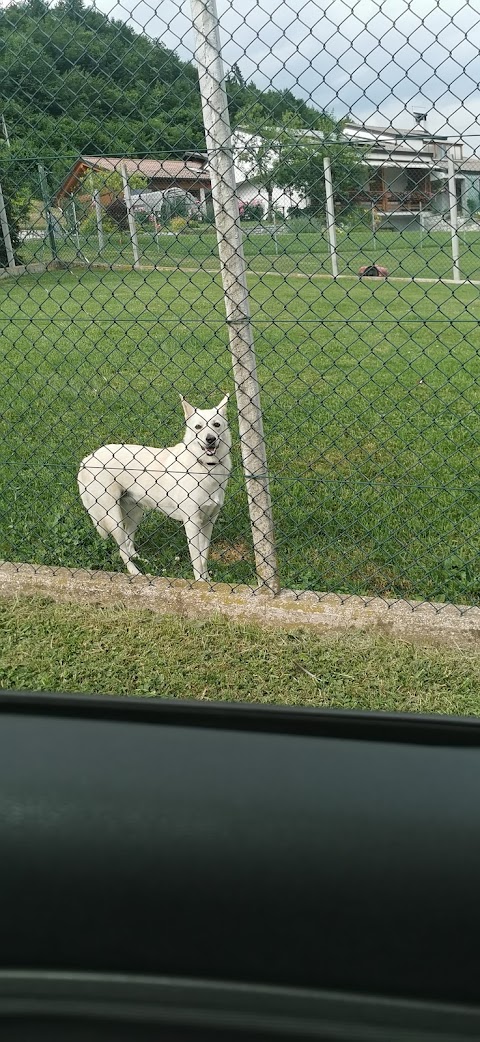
378	61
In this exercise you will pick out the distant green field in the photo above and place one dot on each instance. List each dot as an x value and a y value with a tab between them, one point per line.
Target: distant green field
370	394
405	254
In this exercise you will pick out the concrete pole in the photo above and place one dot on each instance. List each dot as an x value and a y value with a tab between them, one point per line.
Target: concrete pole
48	212
330	208
233	270
131	219
6	232
5	131
452	194
98	215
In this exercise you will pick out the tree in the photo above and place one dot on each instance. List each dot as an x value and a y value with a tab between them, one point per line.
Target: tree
74	81
261	151
284	153
112	181
302	168
15	198
237	76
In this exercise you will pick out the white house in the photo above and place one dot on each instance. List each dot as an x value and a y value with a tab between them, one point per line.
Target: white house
408	170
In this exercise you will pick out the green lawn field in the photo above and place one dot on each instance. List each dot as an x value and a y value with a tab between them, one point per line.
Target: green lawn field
405	254
370	394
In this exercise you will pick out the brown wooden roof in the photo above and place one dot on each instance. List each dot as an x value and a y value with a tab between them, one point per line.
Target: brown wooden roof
192	169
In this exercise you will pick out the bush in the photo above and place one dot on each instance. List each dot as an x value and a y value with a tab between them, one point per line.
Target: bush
305	224
144	220
358	217
251	212
116	211
295	211
88	227
178	224
175	206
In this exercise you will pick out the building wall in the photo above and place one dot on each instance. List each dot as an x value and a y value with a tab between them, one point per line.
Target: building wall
282	201
471	188
440	203
395	180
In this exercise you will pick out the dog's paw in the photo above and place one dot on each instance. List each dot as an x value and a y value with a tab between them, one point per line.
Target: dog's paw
141	566
132	569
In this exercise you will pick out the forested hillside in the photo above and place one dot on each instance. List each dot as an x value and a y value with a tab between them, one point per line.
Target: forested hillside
72	80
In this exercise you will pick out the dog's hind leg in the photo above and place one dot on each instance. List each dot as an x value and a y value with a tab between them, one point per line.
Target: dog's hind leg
132	515
103	502
199	534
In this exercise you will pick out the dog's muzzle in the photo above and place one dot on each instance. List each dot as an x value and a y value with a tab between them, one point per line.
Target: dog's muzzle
210	446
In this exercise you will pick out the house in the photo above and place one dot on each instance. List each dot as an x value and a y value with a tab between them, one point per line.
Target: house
189	174
407	170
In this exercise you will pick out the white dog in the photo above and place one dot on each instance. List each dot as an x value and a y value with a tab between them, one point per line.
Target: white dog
120	483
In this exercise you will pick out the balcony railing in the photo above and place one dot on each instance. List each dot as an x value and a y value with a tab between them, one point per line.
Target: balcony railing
389	202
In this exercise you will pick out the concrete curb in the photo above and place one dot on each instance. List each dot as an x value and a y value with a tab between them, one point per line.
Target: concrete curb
457	626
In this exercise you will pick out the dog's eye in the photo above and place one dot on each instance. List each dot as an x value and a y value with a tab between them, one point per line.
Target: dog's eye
198	426
216	424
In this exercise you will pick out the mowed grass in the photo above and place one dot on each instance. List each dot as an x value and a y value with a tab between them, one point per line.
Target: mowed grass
370	394
305	249
112	651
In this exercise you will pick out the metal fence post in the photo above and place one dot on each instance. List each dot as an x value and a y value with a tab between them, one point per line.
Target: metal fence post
219	147
6	232
131	219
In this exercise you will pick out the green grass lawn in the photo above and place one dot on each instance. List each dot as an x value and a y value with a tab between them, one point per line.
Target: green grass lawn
370	395
405	254
71	648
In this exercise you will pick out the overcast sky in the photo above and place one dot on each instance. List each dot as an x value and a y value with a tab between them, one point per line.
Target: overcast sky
376	60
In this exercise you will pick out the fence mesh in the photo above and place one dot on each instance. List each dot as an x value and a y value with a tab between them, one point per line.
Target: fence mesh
356	210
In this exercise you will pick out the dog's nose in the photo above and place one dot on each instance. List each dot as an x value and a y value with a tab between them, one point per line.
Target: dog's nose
210	439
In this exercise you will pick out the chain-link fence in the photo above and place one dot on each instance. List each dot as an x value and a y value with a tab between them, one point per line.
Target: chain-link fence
298	228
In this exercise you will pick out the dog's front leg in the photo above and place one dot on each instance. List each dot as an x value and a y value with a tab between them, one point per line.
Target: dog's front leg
199	533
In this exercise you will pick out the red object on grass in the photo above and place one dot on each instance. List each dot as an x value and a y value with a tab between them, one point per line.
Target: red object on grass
373	271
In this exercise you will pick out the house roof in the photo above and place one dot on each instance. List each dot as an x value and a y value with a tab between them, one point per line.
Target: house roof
192	168
187	169
471	165
416	131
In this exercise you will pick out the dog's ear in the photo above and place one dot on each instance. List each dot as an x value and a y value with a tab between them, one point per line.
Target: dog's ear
188	409
223	405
